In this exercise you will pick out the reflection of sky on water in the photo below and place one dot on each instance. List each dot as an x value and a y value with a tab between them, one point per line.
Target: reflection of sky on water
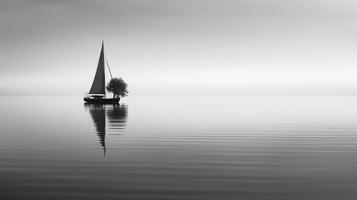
281	147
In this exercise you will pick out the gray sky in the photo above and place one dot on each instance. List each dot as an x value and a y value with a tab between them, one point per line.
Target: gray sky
164	46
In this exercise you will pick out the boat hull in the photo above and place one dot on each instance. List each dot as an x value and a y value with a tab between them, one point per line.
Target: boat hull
101	100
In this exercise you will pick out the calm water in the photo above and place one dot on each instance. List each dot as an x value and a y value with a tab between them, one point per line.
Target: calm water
256	147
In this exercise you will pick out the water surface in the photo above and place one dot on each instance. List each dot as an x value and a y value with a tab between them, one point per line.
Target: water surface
232	147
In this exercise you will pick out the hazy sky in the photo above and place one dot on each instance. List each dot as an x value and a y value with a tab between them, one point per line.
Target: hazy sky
165	46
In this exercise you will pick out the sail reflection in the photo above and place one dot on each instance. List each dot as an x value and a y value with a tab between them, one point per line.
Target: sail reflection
116	122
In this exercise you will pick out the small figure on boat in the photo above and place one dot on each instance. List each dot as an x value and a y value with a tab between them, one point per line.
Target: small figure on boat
97	93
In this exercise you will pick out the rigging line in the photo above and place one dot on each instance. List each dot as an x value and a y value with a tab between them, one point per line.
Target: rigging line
110	72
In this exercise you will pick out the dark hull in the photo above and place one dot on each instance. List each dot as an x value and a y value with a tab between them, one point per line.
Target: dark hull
101	101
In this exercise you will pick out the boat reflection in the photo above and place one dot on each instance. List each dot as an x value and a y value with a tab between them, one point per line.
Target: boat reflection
116	122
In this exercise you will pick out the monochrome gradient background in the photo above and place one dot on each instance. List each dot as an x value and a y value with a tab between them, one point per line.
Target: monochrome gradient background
228	99
188	46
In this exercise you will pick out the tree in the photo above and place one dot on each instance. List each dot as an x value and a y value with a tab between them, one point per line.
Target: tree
118	87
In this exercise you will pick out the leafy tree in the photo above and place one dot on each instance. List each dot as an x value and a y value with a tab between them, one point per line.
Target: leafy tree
118	87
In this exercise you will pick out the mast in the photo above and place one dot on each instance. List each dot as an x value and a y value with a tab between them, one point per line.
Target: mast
103	68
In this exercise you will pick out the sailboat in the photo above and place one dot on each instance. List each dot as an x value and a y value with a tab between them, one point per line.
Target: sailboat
97	93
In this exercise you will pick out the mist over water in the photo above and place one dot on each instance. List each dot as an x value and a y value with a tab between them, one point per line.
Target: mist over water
179	147
166	46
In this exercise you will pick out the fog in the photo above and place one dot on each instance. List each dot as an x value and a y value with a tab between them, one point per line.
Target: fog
185	47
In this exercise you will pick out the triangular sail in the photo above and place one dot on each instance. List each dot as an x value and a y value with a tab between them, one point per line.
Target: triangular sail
98	86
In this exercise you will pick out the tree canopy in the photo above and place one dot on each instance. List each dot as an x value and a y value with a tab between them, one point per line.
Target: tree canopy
118	87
